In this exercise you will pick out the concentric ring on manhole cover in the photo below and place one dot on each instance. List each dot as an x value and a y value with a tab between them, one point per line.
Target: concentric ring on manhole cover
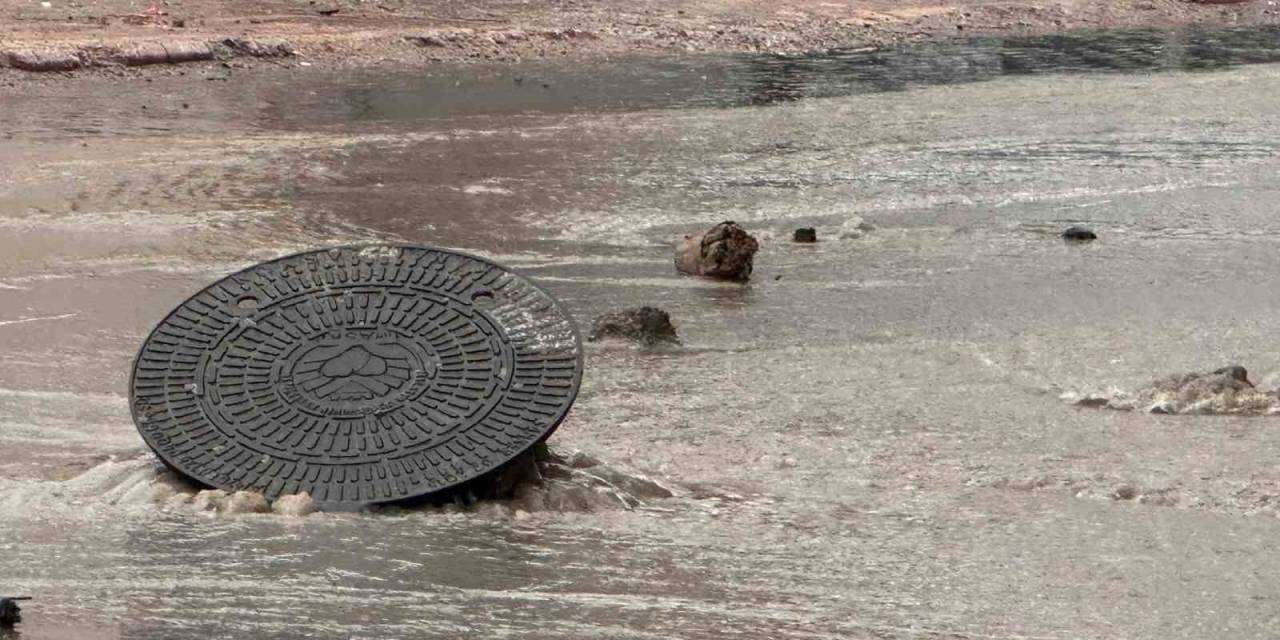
357	374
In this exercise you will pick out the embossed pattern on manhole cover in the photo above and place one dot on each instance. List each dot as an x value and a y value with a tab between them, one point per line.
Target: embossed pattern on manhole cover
358	374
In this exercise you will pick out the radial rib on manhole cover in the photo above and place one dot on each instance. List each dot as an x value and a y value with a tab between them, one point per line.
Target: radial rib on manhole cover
357	374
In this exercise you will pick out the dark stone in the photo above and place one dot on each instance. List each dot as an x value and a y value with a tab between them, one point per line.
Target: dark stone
644	325
1079	234
10	612
362	375
806	234
724	251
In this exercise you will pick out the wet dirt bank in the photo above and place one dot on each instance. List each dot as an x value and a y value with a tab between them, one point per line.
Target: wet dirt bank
127	37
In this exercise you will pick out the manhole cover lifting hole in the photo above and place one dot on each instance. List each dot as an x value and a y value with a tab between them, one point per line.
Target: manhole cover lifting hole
358	374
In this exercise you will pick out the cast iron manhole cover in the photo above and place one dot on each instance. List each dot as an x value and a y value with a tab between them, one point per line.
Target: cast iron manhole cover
357	374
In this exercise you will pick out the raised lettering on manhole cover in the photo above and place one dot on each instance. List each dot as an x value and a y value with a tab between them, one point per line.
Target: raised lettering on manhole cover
360	375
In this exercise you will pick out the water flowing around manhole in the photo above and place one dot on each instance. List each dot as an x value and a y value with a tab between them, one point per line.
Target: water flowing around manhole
358	374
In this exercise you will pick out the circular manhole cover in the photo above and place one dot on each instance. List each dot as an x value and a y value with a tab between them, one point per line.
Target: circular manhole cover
357	374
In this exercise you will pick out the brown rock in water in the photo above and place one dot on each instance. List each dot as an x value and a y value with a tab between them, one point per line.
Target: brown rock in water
725	251
644	325
1224	391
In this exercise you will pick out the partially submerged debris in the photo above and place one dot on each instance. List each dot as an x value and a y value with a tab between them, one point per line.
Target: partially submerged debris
1225	391
724	251
806	234
648	326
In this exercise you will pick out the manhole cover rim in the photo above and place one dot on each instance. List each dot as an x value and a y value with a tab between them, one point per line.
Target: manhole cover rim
463	480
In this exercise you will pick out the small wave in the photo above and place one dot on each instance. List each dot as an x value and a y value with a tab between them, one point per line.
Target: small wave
545	482
131	483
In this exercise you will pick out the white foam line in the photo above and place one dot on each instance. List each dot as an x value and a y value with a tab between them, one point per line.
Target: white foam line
38	319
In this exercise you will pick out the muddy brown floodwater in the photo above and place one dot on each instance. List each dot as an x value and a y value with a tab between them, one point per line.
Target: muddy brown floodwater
868	440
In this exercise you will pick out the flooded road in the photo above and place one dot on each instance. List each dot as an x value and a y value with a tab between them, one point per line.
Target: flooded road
866	441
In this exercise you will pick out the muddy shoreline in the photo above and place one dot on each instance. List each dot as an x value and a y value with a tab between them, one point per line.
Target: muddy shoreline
121	38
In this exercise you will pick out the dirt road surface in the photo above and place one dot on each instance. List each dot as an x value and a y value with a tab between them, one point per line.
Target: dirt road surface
126	36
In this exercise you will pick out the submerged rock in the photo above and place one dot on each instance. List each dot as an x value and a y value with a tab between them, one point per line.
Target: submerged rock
805	235
724	251
1079	234
644	325
1225	391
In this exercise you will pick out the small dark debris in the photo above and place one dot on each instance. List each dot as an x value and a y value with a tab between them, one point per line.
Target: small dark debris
1079	234
328	11
806	234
